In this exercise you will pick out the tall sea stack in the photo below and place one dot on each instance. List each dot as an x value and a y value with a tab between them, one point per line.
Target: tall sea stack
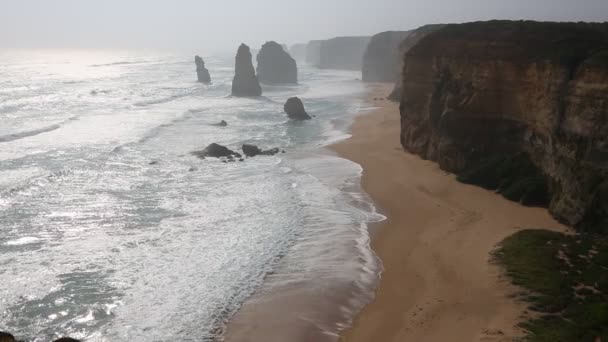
245	83
382	58
201	72
275	65
506	93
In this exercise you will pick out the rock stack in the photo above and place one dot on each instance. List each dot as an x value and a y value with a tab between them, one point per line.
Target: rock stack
245	83
276	66
201	71
295	109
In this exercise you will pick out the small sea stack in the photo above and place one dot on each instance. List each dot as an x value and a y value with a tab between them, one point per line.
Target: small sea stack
245	82
295	109
276	66
201	72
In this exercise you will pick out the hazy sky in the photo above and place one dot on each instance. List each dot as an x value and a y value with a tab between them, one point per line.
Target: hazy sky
222	24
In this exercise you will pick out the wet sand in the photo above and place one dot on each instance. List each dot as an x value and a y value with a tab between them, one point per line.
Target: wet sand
438	283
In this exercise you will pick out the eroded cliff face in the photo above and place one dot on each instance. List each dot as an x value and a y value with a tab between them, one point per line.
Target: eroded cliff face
382	59
412	38
345	53
477	90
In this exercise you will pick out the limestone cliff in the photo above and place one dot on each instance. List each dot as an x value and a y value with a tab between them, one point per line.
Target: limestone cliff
406	44
245	82
313	52
275	65
298	52
474	91
344	53
383	58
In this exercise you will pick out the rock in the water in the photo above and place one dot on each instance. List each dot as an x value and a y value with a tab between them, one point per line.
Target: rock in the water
220	124
201	71
245	82
276	66
252	151
66	339
295	109
215	151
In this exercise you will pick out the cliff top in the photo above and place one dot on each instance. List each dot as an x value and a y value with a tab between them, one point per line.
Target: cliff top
501	39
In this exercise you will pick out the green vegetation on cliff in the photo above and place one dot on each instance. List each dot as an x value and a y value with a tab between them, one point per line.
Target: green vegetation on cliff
566	283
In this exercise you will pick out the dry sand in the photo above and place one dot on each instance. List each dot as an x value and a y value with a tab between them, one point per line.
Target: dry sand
438	283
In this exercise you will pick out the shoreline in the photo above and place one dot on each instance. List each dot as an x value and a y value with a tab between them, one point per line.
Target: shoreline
438	282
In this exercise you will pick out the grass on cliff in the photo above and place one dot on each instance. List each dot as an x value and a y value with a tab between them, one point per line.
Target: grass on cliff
566	278
515	177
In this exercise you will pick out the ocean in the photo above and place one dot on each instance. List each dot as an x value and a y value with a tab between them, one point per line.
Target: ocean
110	230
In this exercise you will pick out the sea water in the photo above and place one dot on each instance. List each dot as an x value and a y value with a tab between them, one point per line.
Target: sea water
110	230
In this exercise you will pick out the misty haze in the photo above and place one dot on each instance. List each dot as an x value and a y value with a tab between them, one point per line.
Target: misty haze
306	171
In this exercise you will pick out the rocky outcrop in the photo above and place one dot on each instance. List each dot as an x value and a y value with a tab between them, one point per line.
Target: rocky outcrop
298	52
345	53
216	151
472	92
7	337
245	82
382	60
313	52
406	44
252	151
295	109
275	65
201	72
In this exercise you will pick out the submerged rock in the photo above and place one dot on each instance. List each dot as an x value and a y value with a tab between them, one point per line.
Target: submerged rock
252	151
215	151
295	109
220	124
276	66
245	82
66	339
201	71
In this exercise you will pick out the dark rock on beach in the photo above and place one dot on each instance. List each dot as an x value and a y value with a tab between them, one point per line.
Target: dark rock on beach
295	109
252	151
201	72
276	66
215	151
245	82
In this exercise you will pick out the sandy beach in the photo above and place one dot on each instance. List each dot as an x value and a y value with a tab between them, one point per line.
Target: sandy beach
438	283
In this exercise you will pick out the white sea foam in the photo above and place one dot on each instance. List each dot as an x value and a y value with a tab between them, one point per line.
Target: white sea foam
105	245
